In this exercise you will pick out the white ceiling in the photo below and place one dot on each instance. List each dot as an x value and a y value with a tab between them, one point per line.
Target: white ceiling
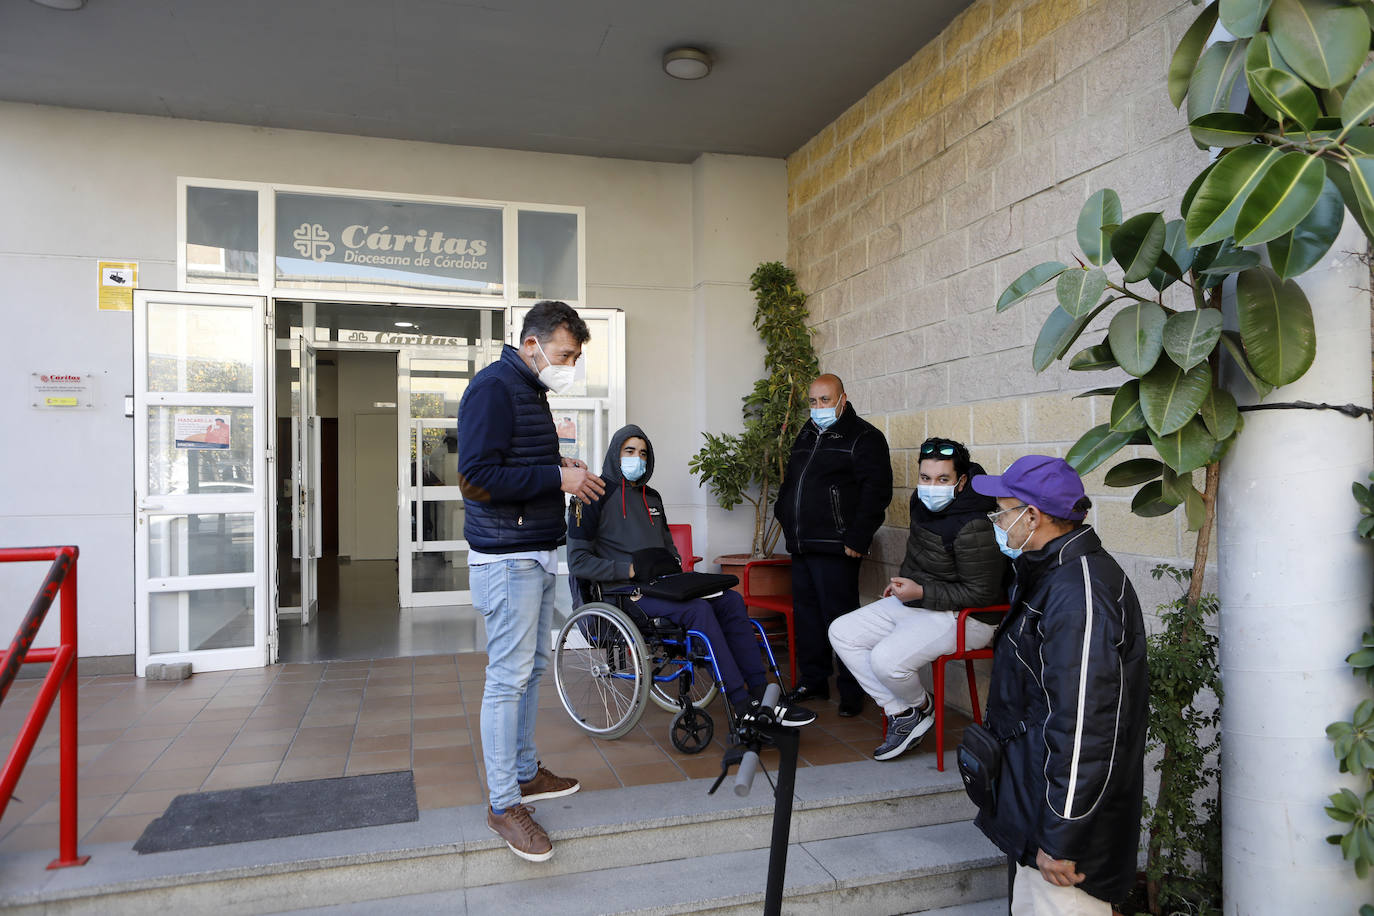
568	76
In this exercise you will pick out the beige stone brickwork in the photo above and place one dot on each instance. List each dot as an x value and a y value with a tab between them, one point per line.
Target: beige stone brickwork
913	210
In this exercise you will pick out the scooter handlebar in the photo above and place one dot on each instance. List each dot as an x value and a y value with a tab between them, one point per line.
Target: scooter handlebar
744	780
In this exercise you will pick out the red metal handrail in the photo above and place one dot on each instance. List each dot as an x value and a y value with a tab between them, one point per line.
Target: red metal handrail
61	676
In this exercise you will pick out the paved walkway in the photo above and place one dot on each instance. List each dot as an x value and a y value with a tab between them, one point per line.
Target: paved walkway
142	743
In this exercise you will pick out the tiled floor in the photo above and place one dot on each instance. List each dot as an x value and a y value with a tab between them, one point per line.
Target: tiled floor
142	743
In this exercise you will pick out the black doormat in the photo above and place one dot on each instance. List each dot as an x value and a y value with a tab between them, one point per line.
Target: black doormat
282	809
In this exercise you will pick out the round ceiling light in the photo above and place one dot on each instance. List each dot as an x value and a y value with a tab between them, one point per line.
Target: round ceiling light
686	63
405	324
61	4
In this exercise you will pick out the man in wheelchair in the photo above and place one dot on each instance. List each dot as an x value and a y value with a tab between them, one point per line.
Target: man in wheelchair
619	541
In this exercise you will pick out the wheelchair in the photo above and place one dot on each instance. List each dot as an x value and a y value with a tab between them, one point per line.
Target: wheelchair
610	660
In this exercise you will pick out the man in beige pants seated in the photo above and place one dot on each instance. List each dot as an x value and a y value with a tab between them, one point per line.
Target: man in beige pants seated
952	562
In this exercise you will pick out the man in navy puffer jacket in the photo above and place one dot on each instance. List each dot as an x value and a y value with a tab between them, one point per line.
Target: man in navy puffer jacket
513	480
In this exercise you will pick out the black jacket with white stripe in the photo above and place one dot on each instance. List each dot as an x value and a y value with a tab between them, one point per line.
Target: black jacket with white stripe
1069	666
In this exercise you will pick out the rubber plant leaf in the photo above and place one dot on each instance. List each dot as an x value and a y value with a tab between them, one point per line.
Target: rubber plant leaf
1219	413
1190	337
1133	472
1149	502
1297	251
1357	105
1094	447
1079	290
1282	198
1058	333
1185	449
1225	129
1101	210
1092	359
1136	246
1324	41
1029	282
1185	56
1136	335
1126	414
1171	397
1242	18
1212	215
1231	342
1293	98
1214	78
1276	325
1346	185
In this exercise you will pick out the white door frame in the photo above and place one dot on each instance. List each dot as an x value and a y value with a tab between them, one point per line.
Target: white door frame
255	499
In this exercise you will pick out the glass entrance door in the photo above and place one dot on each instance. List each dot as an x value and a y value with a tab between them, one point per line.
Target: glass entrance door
434	556
306	535
200	480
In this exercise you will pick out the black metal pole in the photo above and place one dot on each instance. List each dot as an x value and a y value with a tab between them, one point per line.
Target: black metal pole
787	740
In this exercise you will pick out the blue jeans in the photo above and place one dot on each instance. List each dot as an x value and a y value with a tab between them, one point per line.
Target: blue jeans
516	598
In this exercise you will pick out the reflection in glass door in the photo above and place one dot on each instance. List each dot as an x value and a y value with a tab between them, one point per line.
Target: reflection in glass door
434	564
200	480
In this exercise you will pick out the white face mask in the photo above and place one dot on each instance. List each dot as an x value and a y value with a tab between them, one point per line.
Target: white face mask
557	379
936	498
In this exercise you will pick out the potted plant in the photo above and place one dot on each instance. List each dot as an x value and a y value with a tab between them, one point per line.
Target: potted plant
748	466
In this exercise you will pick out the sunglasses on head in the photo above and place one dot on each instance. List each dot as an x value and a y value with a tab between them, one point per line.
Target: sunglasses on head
932	448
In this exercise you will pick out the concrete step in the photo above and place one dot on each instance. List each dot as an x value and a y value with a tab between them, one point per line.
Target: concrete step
996	906
895	871
450	849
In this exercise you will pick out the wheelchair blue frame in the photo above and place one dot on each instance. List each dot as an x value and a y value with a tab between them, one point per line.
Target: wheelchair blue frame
672	664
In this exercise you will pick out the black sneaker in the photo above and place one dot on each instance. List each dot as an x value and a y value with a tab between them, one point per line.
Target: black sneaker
806	692
796	716
904	730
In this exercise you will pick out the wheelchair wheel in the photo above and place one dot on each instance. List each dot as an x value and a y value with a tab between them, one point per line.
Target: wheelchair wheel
665	693
692	730
601	667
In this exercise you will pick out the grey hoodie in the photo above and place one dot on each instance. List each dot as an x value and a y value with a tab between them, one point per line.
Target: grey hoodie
603	535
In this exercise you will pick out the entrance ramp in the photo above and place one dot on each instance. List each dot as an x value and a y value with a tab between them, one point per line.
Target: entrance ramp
867	838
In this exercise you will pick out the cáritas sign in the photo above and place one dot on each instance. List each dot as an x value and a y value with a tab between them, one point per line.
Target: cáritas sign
363	241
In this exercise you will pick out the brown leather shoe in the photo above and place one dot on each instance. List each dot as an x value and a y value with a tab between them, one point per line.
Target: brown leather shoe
521	832
547	785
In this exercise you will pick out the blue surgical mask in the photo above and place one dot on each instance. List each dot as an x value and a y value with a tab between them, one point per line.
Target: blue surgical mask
632	468
823	417
1000	534
935	498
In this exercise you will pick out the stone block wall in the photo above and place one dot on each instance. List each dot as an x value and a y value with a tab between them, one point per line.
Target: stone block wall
913	210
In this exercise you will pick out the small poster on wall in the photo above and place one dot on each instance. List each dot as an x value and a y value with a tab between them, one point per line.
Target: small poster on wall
118	280
201	430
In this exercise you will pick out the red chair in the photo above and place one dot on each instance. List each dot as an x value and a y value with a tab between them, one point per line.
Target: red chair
778	604
682	540
937	671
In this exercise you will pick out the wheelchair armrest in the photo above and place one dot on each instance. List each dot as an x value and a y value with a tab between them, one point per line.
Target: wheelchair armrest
963	618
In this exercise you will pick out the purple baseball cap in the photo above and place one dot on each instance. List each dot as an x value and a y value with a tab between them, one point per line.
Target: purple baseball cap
1048	484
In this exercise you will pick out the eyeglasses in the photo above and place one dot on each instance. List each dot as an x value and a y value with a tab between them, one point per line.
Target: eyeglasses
933	448
992	516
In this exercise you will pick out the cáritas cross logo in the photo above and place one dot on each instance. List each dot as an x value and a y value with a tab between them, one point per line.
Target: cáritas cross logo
312	241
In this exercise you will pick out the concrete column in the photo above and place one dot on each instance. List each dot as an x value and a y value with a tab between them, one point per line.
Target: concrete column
1295	584
739	220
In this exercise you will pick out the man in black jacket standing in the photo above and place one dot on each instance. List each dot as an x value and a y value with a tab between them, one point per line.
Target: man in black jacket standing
833	497
513	480
1068	699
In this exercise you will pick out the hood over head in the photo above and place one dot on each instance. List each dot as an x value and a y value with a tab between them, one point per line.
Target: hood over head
610	467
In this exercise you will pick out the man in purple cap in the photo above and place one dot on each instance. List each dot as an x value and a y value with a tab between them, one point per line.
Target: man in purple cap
1067	700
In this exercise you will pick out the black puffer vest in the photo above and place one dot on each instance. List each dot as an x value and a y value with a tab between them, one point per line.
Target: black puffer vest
536	523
